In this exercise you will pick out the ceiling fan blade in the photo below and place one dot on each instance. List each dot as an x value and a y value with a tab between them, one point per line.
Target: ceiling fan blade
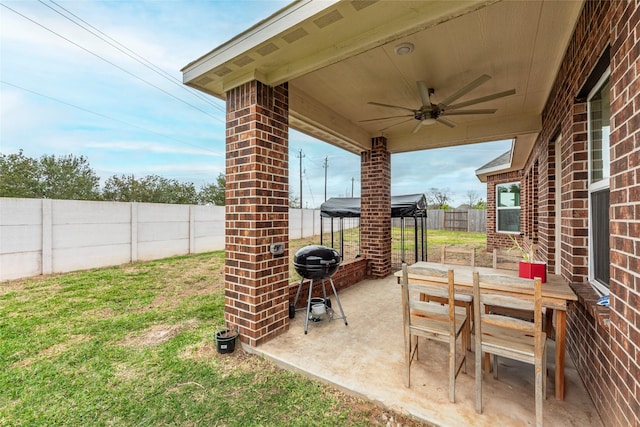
395	124
385	118
482	99
468	88
461	112
445	122
418	126
423	90
391	106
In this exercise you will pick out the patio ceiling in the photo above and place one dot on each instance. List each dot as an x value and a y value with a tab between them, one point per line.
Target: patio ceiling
339	55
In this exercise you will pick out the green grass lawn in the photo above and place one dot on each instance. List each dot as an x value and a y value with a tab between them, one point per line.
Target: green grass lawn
133	345
457	238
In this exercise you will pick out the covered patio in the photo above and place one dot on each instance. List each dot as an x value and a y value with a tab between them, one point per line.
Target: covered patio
367	358
439	74
383	77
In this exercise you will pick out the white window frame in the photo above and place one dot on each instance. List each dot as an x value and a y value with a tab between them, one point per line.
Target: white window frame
498	208
594	187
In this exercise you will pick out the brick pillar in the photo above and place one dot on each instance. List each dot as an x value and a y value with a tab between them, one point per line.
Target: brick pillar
375	210
257	211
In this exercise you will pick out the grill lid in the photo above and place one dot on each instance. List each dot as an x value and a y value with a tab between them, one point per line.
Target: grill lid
316	261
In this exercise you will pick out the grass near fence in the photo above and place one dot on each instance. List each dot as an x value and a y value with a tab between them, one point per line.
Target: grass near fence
134	345
439	238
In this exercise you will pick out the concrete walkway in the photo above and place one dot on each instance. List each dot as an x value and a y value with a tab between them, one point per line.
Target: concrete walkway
366	358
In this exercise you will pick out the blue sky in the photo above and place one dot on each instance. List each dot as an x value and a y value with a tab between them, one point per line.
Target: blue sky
65	91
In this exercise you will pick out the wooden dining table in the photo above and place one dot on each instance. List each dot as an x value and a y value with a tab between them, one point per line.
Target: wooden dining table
556	296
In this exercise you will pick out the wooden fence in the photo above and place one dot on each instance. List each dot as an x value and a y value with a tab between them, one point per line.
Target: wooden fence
474	220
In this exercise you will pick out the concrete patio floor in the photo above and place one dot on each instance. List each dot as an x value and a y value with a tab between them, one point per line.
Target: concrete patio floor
366	358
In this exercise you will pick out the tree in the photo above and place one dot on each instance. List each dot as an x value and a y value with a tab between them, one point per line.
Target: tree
480	205
120	189
294	201
472	197
65	177
19	176
68	177
157	189
150	189
214	193
439	198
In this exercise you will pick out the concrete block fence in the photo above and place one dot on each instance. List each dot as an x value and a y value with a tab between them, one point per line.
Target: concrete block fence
43	236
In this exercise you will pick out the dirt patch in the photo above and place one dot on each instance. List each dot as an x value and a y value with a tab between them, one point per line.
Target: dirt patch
201	352
157	334
378	416
227	362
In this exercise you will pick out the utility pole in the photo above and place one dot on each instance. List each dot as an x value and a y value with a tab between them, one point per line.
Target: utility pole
300	156
326	167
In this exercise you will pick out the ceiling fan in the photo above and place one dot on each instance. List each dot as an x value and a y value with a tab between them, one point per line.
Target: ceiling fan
430	112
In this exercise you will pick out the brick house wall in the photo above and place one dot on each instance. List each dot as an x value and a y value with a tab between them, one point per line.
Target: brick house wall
495	239
604	343
257	211
625	210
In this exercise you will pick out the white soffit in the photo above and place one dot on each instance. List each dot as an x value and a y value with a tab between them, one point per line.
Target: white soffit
308	35
339	55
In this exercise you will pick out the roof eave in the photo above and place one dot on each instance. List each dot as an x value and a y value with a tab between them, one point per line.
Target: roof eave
263	31
521	149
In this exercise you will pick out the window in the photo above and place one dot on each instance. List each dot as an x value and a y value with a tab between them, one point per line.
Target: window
599	129
508	207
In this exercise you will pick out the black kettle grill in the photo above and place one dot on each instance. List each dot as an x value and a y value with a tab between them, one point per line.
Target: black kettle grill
315	262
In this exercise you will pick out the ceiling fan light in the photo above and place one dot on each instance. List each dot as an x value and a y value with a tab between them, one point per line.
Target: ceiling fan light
403	49
429	121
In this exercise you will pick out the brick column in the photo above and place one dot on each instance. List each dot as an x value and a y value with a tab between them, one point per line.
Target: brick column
375	210
257	211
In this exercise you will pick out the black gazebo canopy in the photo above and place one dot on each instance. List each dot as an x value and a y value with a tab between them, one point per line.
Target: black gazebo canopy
349	207
409	237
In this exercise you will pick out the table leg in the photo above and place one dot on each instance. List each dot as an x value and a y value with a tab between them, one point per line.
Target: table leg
561	328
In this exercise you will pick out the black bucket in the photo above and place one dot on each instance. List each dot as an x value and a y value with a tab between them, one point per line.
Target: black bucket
226	340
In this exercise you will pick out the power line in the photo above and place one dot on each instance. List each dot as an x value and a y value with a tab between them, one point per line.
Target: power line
316	162
105	116
131	54
110	62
